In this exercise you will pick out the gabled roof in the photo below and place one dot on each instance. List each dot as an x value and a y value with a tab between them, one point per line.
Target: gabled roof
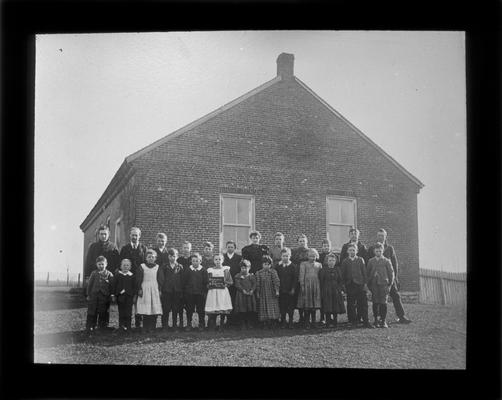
121	174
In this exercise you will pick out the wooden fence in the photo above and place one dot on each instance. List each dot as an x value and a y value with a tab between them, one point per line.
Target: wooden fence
439	287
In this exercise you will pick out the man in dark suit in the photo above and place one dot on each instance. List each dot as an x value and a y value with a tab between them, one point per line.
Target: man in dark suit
136	252
232	259
103	247
389	252
361	248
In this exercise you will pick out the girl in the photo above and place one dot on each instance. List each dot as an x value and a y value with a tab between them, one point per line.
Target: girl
331	282
124	292
380	280
309	298
150	279
298	255
245	302
218	300
267	291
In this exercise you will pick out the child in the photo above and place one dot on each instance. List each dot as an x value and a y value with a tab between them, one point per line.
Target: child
254	251
232	260
207	255
124	292
267	292
276	249
354	278
185	259
150	279
286	272
380	280
331	282
161	250
218	300
325	250
245	302
172	291
99	289
195	287
309	298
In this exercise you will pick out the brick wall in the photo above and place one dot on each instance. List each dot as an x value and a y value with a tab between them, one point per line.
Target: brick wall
290	152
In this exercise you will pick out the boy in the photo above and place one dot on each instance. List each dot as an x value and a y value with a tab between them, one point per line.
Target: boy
99	290
298	255
172	291
380	280
354	277
161	250
286	271
207	255
361	248
124	293
195	287
185	259
275	250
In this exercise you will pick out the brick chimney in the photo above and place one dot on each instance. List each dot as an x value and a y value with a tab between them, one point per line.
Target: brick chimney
285	65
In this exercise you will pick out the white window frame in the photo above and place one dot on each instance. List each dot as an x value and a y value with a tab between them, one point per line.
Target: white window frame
251	216
328	224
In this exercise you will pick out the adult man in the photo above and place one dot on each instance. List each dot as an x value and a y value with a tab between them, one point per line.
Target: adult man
361	248
390	253
136	252
103	247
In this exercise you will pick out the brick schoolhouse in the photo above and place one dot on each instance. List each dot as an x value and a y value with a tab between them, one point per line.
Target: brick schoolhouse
278	158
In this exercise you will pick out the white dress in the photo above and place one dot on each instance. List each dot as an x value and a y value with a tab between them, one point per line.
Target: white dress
149	303
218	301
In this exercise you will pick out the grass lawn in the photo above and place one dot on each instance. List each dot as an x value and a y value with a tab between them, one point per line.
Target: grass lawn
435	340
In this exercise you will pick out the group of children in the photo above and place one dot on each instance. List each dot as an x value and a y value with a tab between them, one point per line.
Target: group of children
267	288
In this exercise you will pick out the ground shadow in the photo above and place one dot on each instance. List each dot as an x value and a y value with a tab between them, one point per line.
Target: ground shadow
58	300
113	337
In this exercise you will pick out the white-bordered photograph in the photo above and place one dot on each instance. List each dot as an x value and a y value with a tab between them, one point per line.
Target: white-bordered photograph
251	198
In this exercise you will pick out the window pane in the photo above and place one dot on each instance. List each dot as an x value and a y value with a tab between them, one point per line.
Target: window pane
229	210
229	233
242	237
243	206
347	212
338	236
333	211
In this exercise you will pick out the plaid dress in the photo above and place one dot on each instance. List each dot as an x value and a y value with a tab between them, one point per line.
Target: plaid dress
245	302
310	290
267	284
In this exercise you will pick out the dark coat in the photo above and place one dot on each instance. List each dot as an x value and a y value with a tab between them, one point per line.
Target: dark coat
287	276
137	256
196	281
106	249
362	251
124	282
207	262
174	279
388	252
299	254
354	271
233	263
100	283
185	262
253	253
162	257
380	272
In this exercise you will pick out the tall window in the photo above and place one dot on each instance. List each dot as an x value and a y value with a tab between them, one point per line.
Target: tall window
237	219
340	217
117	232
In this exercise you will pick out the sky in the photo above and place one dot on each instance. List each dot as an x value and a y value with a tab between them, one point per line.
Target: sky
101	97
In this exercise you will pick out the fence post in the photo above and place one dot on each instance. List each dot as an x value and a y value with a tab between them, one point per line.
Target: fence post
67	277
443	294
47	282
78	281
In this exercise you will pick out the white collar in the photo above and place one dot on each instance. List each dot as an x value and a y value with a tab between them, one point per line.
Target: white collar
230	255
128	273
196	269
132	245
281	263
